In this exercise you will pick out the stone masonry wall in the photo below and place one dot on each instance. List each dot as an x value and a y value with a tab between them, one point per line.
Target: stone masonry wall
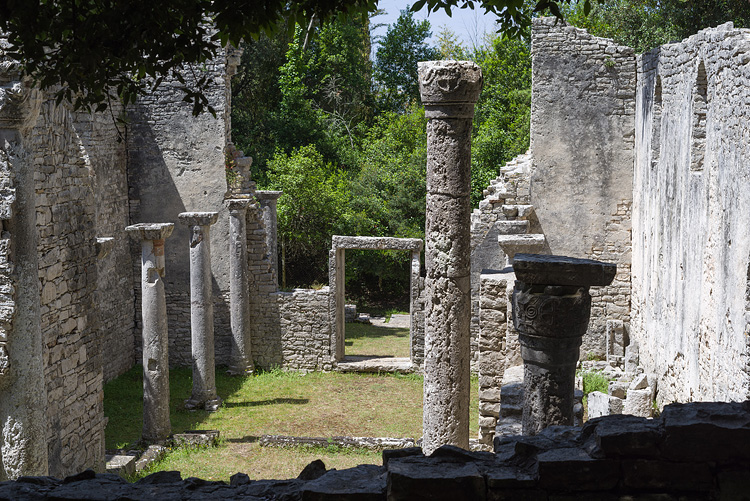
107	160
66	214
691	239
176	164
493	322
582	140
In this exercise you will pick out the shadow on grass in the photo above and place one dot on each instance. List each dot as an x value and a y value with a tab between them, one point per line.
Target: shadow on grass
258	403
123	403
359	331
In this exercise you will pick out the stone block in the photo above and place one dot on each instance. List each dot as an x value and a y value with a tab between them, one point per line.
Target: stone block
421	478
631	358
601	404
618	388
706	431
556	467
640	381
365	482
622	436
616	338
638	403
651	474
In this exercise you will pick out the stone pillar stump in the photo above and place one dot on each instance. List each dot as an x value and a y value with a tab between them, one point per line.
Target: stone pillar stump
201	312
241	358
449	90
156	425
551	309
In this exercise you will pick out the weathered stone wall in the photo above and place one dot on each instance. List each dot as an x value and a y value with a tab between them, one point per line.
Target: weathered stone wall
582	140
106	158
493	324
176	164
67	268
690	234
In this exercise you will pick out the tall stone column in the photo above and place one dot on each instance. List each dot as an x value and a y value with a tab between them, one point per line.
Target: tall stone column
268	200
241	358
449	90
551	309
201	312
23	391
156	426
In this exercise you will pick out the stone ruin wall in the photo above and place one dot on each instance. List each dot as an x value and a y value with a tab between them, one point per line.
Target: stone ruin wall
582	140
690	227
176	164
77	170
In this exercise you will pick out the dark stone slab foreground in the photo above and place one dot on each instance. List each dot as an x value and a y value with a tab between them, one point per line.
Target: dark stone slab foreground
561	270
694	451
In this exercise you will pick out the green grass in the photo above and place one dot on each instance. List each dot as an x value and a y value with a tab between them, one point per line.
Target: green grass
275	403
594	381
364	339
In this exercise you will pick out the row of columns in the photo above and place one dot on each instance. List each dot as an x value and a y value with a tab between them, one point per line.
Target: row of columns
155	358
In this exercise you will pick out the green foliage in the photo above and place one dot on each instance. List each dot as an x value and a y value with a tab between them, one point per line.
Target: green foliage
645	24
396	60
314	200
503	113
594	381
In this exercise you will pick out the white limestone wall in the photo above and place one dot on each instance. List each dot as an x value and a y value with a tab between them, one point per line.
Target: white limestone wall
691	207
582	137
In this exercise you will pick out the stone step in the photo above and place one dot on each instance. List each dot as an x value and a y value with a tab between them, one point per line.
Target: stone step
530	243
518	211
512	228
121	464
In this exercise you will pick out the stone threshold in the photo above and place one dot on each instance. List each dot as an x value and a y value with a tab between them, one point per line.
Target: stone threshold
371	364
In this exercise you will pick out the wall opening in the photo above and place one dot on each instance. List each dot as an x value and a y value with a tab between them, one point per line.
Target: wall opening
698	129
337	270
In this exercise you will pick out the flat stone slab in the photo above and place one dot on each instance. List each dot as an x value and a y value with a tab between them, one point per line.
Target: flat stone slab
376	243
150	231
356	363
199	218
561	270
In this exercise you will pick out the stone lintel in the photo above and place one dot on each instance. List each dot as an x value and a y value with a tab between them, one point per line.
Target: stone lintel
445	82
268	194
104	246
562	270
377	243
150	231
198	218
238	204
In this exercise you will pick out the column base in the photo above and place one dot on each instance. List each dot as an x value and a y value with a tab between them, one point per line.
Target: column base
208	405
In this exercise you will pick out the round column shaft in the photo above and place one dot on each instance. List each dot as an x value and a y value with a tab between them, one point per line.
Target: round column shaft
551	310
201	312
156	425
449	90
241	359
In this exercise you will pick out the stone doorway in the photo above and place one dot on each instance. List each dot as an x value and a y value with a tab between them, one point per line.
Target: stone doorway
337	272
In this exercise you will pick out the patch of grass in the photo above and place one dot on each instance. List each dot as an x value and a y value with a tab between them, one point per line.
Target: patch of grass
276	403
594	381
364	339
220	463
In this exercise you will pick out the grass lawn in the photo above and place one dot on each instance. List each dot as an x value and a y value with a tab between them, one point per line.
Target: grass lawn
364	339
275	403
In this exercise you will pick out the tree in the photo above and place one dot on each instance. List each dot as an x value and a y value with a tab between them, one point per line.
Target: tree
314	200
396	61
502	115
100	50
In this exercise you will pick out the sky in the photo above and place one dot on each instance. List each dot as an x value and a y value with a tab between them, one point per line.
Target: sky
469	25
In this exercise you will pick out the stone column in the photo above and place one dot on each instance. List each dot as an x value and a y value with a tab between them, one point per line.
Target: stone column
201	312
449	90
23	390
551	308
241	358
268	201
156	426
